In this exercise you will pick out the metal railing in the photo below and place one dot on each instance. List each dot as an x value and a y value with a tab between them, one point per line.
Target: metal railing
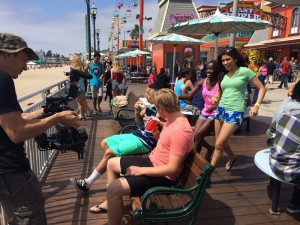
39	160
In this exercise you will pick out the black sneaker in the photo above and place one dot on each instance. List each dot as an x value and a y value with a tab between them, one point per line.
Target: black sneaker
293	208
80	185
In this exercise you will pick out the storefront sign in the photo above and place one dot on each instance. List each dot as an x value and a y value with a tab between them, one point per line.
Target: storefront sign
131	43
246	10
180	17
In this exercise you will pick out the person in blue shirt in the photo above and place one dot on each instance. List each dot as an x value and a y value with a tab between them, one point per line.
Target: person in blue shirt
96	83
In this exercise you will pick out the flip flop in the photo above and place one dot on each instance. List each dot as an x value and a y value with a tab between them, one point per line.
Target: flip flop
97	209
231	164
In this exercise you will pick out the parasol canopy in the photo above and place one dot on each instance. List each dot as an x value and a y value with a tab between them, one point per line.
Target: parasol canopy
219	23
175	39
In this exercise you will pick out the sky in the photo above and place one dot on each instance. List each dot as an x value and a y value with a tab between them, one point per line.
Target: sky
58	25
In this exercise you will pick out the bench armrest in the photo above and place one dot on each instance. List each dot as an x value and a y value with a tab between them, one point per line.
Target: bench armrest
125	114
128	129
166	191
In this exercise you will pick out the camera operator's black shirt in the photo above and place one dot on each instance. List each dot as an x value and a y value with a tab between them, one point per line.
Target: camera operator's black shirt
12	156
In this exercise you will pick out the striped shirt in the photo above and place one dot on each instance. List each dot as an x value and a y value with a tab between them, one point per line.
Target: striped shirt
285	149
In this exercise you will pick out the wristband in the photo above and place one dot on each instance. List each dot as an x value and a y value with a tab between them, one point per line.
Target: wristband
257	104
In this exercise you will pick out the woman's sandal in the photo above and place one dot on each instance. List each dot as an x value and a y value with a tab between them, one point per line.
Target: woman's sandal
97	209
230	165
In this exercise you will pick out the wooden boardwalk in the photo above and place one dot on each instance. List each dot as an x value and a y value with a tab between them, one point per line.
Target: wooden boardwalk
238	197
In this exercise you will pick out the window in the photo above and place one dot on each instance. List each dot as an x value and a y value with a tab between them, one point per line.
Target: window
295	21
276	25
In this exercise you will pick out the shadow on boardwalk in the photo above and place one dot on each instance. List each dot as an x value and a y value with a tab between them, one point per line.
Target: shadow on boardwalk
238	197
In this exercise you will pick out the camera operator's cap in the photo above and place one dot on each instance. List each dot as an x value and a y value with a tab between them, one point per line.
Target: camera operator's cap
13	44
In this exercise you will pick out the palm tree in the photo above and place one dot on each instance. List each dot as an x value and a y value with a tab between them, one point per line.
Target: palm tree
134	34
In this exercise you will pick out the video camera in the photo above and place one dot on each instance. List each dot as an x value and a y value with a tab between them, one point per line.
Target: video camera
65	138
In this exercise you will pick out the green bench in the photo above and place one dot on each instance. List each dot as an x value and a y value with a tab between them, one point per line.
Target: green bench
163	204
125	114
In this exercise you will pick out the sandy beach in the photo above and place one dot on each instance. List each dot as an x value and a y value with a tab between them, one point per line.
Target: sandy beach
36	79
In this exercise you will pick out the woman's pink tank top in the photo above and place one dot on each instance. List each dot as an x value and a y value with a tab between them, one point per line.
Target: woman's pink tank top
206	94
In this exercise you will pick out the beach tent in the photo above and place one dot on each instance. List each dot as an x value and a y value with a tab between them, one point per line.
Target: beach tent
31	63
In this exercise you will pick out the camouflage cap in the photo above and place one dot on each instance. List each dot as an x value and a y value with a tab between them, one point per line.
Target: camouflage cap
12	44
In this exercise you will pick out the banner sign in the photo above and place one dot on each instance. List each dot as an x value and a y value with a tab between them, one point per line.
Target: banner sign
180	17
246	10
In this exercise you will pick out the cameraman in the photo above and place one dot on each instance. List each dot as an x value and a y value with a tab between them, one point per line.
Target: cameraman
20	192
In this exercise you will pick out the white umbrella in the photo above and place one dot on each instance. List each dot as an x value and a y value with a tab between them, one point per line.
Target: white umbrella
287	2
137	52
219	23
31	63
175	39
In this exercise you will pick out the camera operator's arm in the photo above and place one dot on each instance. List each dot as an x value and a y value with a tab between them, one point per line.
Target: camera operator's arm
19	129
33	115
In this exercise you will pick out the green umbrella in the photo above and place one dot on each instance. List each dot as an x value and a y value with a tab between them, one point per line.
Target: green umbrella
217	24
175	39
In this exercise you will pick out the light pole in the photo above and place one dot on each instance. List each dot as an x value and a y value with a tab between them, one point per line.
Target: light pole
98	39
141	30
89	27
93	15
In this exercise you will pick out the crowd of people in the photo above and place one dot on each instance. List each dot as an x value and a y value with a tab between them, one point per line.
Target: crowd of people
214	92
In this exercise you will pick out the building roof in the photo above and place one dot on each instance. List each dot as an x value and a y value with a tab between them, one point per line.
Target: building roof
259	35
166	8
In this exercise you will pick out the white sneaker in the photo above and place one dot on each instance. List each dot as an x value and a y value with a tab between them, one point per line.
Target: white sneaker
88	113
81	117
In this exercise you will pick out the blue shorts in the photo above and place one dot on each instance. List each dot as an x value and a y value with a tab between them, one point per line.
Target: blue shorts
203	117
232	117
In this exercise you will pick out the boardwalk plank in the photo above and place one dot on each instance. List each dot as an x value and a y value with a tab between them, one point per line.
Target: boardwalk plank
238	197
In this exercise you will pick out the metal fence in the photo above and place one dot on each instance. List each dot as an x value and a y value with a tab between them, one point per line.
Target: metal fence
39	160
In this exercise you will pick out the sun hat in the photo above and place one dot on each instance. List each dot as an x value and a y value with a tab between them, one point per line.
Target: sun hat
12	43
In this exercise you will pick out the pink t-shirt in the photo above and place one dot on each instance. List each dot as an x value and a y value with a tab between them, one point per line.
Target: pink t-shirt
206	94
151	79
176	138
263	71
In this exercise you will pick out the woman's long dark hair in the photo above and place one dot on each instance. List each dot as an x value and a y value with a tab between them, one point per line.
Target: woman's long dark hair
232	52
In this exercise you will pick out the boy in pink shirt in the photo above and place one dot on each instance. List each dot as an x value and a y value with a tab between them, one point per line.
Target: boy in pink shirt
161	168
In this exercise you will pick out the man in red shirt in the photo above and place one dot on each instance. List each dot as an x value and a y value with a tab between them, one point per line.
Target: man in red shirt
285	69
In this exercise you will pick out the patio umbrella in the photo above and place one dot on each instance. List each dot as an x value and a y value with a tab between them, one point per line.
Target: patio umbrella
217	24
137	52
287	2
31	63
175	39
